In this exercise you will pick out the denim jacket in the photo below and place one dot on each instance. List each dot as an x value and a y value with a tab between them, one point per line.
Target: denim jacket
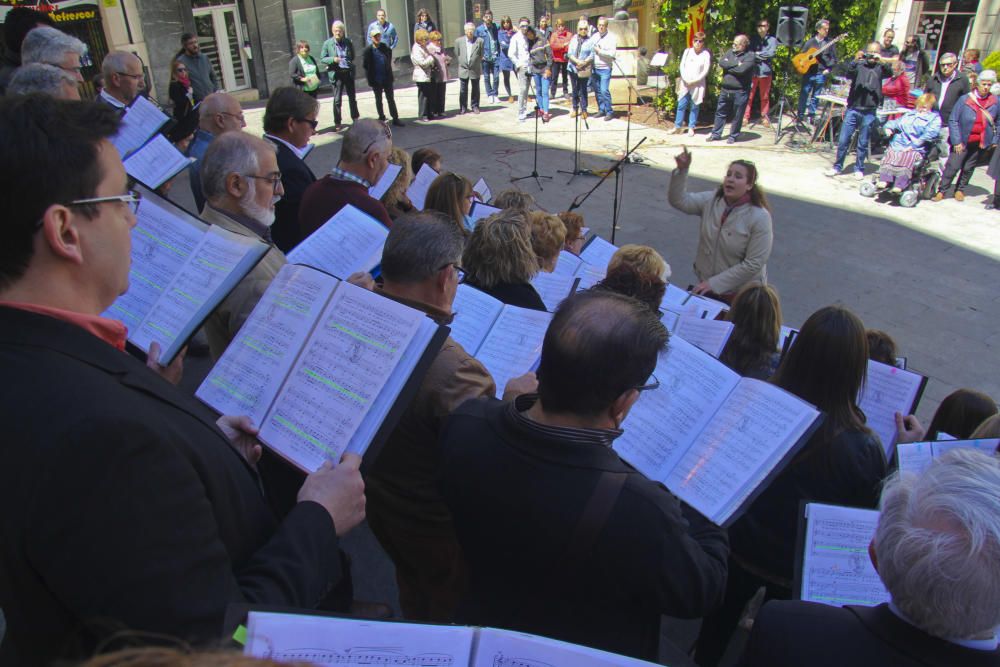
490	44
586	52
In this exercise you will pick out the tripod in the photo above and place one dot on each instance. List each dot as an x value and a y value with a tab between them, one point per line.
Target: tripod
638	159
779	131
534	167
576	153
619	188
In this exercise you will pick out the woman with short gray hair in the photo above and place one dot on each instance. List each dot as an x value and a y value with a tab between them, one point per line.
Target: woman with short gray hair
499	259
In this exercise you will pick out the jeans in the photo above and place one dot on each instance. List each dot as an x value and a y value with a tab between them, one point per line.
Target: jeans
541	91
558	67
463	93
523	79
389	96
812	84
603	77
579	91
343	82
491	78
731	105
853	119
686	105
763	84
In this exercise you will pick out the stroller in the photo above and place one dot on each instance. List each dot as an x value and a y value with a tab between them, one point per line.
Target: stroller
923	183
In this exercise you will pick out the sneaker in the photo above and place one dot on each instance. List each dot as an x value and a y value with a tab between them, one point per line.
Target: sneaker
610	116
896	191
832	171
731	140
712	137
690	131
475	109
882	185
522	117
959	195
859	175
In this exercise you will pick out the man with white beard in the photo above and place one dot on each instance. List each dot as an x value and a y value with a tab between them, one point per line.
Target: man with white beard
241	183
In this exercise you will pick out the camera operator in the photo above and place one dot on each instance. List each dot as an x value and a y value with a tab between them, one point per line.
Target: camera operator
866	72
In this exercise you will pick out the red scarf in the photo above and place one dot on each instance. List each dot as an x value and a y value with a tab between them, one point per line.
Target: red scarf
745	199
184	80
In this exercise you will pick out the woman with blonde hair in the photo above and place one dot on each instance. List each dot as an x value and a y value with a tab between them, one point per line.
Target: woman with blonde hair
574	231
424	64
637	271
500	260
452	195
752	349
514	198
395	200
548	236
912	135
439	78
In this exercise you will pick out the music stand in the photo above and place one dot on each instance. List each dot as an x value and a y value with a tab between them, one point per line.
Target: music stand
534	167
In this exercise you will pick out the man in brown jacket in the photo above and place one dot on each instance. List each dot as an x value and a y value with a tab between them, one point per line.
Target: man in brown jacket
405	508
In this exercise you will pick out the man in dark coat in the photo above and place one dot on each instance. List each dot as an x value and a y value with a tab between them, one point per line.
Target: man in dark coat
377	61
737	76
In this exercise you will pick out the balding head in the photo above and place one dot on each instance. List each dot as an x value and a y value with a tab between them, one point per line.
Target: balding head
239	175
219	113
123	78
365	149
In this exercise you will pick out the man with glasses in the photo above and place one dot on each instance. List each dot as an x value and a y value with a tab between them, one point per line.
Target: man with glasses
364	155
123	79
815	78
561	537
948	85
54	47
737	66
764	47
219	113
135	508
289	123
204	81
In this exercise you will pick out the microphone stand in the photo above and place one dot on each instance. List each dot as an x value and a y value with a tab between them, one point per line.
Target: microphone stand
638	159
619	189
534	169
576	153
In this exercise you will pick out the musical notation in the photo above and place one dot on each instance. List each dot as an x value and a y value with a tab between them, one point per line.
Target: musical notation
553	288
350	241
514	344
887	390
363	656
475	313
598	252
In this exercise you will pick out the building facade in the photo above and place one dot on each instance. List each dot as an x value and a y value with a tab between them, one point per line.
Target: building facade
951	26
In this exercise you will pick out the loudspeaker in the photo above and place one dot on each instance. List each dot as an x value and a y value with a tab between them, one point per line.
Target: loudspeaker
792	25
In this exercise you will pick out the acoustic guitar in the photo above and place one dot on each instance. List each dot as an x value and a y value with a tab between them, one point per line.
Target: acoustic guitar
803	61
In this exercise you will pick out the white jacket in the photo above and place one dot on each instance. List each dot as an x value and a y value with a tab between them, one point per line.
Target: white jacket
518	51
604	49
423	64
694	70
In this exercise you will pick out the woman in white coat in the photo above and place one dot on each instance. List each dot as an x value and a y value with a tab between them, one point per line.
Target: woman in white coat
695	63
423	67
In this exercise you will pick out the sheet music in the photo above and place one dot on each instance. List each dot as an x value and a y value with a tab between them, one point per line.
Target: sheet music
598	252
480	210
783	336
916	457
251	370
345	364
887	390
156	162
216	257
161	243
350	241
659	59
553	288
141	121
388	177
567	264
342	641
664	422
417	192
504	648
475	313
709	335
675	298
483	190
703	307
669	319
836	569
514	344
746	438
589	276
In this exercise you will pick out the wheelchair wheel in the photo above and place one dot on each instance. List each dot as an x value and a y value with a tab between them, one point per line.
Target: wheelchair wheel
930	185
909	198
867	189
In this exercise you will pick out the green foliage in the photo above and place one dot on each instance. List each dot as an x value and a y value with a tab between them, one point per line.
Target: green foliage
992	61
726	18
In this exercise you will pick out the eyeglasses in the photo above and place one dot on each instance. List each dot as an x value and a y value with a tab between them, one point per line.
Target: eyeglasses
312	123
181	69
698	41
235	115
273	179
655	384
78	70
133	76
132	198
386	130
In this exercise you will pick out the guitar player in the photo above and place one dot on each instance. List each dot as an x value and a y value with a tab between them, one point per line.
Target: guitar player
814	79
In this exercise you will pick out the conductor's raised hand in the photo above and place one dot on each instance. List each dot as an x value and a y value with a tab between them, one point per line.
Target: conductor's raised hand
683	159
340	491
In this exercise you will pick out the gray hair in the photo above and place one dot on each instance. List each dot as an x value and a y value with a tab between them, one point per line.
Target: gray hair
48	45
419	245
938	545
988	75
339	24
469	24
363	134
39	78
115	62
500	251
230	153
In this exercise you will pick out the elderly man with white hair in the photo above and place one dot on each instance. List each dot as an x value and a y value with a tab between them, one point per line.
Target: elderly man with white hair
241	183
44	79
54	47
937	550
123	79
469	53
338	55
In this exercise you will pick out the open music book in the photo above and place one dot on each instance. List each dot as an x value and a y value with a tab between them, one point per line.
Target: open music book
483	190
683	302
916	457
156	162
711	437
417	192
573	266
182	269
553	288
832	564
142	120
598	252
350	241
709	335
507	340
322	366
345	641
889	390
388	176
480	210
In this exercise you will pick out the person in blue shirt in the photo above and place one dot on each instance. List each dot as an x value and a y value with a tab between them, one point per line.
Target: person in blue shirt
764	47
487	31
388	31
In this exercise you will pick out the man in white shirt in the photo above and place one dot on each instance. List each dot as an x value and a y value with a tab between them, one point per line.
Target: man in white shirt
519	55
123	78
605	46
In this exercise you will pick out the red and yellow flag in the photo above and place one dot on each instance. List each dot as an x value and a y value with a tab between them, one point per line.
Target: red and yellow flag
696	20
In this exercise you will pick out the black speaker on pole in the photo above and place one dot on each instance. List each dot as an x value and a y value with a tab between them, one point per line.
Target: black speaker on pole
792	22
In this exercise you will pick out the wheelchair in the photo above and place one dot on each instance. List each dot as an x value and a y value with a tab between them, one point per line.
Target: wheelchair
923	183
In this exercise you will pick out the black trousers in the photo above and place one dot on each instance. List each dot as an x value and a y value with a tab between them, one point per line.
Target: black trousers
463	93
558	67
425	101
343	82
732	105
389	96
962	164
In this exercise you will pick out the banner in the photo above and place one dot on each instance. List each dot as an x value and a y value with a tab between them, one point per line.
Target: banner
696	20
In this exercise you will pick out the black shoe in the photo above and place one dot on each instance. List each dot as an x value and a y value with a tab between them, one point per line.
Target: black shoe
712	137
382	119
993	204
731	140
398	123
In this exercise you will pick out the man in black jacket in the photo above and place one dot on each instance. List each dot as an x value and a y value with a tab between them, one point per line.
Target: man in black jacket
128	508
737	76
948	85
562	538
377	61
866	72
289	123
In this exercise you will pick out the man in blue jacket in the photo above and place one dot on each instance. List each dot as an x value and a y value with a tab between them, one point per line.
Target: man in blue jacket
388	31
763	46
487	31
